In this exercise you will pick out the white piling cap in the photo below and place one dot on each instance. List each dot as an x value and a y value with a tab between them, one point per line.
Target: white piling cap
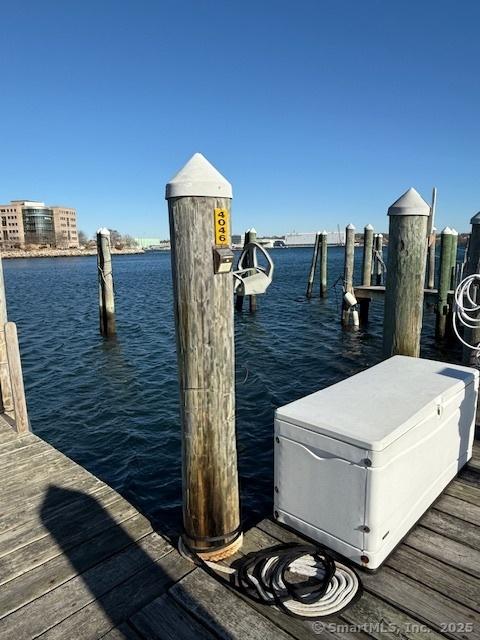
454	232
380	235
324	232
198	178
369	227
252	230
350	226
410	203
103	231
447	231
475	219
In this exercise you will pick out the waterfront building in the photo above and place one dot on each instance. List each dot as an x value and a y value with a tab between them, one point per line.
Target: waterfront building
308	239
33	224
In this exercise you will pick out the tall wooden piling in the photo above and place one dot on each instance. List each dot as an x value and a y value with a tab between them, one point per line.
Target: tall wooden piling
453	269
349	315
199	200
444	280
106	299
252	299
313	265
367	255
20	413
6	398
405	278
324	264
432	242
472	336
378	259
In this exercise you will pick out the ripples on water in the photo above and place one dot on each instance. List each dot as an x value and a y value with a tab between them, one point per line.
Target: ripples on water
113	406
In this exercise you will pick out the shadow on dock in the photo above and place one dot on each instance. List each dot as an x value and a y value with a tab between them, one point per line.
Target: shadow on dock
127	577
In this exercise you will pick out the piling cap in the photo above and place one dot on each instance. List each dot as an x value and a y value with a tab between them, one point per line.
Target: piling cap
454	232
447	231
475	219
369	227
324	232
350	226
103	231
409	204
252	230
198	178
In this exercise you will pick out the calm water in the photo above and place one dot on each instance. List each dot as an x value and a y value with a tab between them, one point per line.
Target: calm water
113	406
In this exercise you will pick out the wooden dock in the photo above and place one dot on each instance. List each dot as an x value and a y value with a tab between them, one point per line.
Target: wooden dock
375	292
79	561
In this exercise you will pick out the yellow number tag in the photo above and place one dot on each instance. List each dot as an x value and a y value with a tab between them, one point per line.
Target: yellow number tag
221	218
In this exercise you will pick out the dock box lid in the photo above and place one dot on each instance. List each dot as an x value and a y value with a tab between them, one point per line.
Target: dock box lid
375	407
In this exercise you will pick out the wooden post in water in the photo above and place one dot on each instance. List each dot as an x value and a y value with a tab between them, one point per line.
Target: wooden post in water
349	315
454	258
106	299
252	299
323	264
6	399
444	279
432	242
313	266
405	279
378	258
199	200
22	424
472	336
432	238
367	255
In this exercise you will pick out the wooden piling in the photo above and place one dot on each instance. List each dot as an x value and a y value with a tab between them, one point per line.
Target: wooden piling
432	239
472	336
349	315
367	255
323	264
432	242
378	259
313	266
453	268
252	299
405	278
22	424
6	399
106	299
199	198
444	280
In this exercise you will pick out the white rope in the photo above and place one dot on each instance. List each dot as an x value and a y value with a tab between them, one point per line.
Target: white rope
466	309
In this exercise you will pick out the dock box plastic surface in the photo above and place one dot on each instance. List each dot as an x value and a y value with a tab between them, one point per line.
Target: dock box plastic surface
358	463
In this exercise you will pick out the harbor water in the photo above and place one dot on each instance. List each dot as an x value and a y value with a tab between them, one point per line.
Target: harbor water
112	405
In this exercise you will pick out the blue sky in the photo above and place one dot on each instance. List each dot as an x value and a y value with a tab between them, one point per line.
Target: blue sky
319	112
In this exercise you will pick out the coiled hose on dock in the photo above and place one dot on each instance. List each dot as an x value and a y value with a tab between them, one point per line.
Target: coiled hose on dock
303	580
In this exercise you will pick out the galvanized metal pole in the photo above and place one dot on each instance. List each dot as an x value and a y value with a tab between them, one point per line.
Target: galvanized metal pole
106	299
367	255
472	336
5	383
405	281
199	201
444	279
324	264
313	266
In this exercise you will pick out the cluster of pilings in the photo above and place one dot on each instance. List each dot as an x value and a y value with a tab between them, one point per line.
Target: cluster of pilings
409	276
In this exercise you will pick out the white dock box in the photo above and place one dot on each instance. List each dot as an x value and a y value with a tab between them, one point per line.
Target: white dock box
358	463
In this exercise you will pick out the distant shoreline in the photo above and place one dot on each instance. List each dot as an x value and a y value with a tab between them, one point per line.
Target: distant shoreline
65	253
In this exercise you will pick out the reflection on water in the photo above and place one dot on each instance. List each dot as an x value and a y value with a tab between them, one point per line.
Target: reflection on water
113	405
